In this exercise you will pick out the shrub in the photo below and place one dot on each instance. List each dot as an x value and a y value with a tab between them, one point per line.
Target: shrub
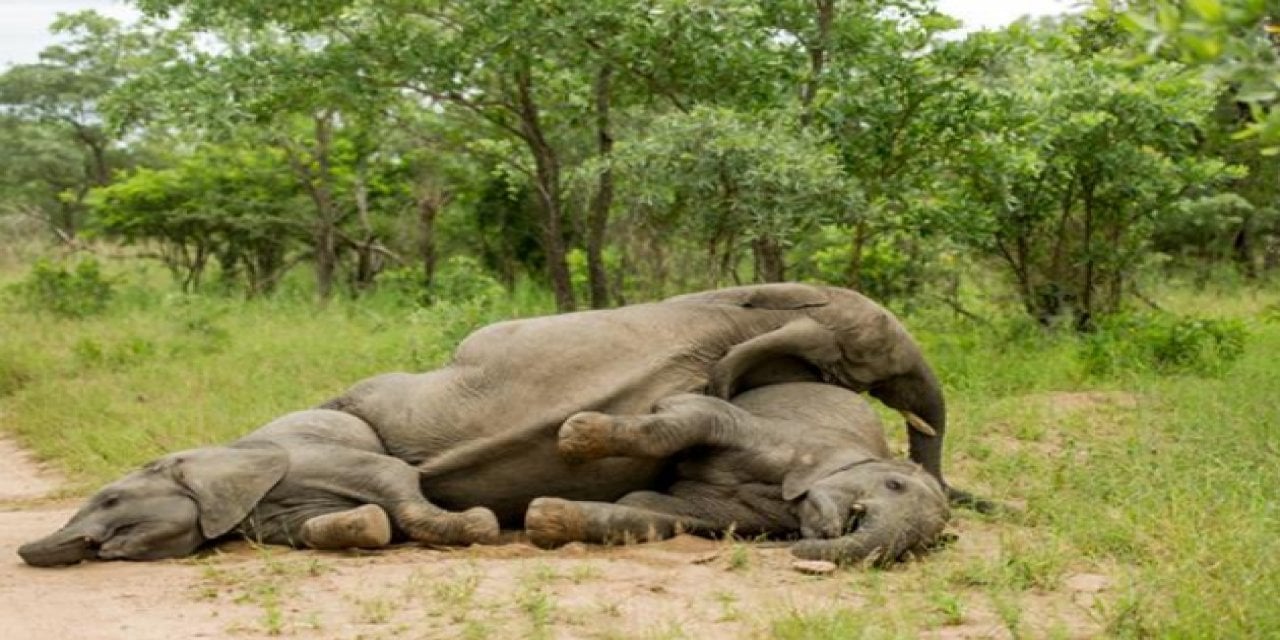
72	293
459	279
1163	343
462	278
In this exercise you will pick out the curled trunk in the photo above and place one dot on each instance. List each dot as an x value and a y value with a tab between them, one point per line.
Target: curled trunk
880	539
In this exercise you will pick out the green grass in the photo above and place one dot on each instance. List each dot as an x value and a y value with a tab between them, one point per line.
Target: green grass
1169	483
158	373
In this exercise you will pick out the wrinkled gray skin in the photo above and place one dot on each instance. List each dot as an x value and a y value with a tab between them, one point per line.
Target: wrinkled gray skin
796	458
305	479
483	430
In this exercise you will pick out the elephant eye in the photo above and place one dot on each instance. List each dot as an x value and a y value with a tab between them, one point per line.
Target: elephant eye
110	502
893	484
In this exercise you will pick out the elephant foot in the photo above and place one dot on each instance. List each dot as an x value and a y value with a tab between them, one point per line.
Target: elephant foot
480	526
551	522
363	527
476	525
585	436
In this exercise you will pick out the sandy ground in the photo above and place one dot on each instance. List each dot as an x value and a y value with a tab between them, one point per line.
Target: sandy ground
682	588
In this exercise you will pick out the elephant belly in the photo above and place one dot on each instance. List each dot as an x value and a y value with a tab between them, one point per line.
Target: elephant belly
508	486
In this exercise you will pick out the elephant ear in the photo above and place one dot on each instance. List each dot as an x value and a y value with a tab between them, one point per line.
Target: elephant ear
800	480
774	297
228	482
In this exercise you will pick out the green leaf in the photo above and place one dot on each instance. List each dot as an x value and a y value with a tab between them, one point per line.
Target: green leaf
1209	10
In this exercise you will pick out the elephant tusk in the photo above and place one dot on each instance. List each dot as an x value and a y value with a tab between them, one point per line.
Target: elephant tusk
918	423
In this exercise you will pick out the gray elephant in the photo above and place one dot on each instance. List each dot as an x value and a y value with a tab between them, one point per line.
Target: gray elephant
316	478
482	431
781	460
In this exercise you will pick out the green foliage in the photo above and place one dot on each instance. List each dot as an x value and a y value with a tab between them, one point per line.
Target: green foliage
1163	343
1075	161
1232	41
76	292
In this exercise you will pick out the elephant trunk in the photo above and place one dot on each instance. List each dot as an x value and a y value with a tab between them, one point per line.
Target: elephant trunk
919	393
68	545
879	540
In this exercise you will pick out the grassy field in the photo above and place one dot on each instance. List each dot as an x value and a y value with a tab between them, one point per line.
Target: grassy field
1168	483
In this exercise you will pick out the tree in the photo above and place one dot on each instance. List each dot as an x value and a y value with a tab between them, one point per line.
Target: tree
299	95
1078	158
62	146
1233	41
228	203
725	181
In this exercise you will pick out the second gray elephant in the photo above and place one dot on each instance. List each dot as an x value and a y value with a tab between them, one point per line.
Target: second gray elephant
797	459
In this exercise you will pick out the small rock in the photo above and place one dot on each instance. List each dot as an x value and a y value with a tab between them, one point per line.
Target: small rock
814	567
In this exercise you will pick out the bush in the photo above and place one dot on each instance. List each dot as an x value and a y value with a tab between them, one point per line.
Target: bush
459	279
72	293
1163	343
462	278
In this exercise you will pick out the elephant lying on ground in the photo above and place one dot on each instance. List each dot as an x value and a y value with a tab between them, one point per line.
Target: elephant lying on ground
796	458
482	431
316	478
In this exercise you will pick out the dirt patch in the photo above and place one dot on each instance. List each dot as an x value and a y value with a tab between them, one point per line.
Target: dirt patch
684	587
21	477
1072	402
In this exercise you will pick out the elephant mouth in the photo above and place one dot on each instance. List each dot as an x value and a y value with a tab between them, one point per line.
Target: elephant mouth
857	516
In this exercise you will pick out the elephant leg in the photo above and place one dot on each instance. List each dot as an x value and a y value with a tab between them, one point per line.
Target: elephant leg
393	485
365	527
424	522
429	524
679	422
551	522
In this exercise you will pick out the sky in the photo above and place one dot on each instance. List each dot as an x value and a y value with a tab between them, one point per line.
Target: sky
24	23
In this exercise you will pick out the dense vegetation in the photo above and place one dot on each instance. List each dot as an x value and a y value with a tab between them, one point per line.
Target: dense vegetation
1079	204
616	151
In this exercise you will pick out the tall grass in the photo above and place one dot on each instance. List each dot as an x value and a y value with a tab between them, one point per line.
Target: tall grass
1168	481
159	372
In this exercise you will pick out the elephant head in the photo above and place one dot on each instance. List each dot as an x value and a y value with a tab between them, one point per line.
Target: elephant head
852	342
860	509
166	509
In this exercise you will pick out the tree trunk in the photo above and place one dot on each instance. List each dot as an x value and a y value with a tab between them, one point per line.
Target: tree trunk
367	266
853	277
319	185
547	185
770	259
430	200
1084	315
1242	250
602	200
826	13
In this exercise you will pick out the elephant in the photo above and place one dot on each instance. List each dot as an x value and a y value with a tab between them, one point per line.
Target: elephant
482	431
793	458
314	478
